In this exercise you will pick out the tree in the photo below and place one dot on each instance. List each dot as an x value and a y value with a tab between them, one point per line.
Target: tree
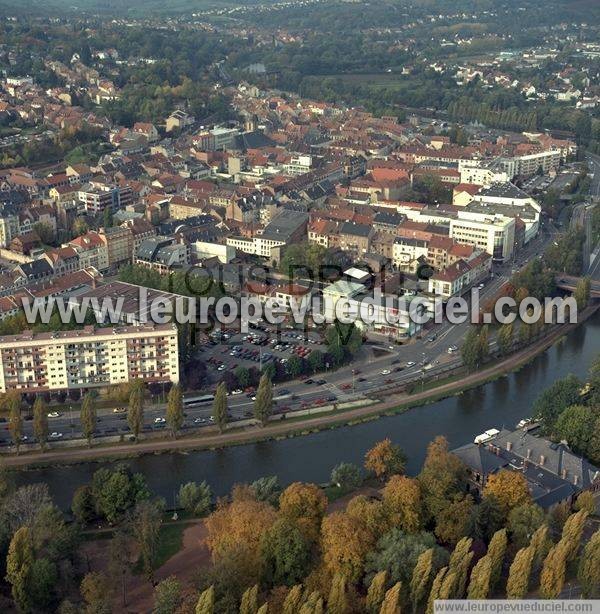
346	476
471	349
263	406
243	377
294	365
497	552
96	593
487	519
575	425
15	420
523	522
552	578
421	577
107	217
40	421
344	545
135	412
145	523
436	588
385	459
195	498
266	489
88	417
119	561
541	544
504	338
249	604
305	505
117	491
517	584
554	400
391	602
206	601
167	596
175	410
219	412
509	488
460	561
479	585
293	600
44	576
586	501
403	504
285	554
376	592
572	533
588	572
337	602
455	521
582	293
83	504
19	563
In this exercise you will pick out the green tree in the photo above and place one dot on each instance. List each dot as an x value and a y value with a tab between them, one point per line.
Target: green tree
83	505
576	426
206	602
471	350
107	217
582	293
119	561
519	574
195	498
479	585
145	522
316	361
116	491
15	420
167	596
505	338
376	592
19	563
554	400
391	601
488	518
44	576
588	572
88	417
266	489
523	521
135	412
263	405
337	602
96	593
294	365
174	414
40	421
346	476
285	554
243	377
219	412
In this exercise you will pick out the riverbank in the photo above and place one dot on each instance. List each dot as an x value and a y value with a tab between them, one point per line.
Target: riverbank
395	403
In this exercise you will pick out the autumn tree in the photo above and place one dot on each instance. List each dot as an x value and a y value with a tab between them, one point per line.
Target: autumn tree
541	544
370	512
135	412
167	596
376	592
145	522
391	601
455	521
588	572
174	414
402	503
293	600
88	417
586	501
337	602
421	577
263	405
385	459
206	601
479	584
460	561
19	563
497	552
504	338
219	412
15	420
305	505
96	593
40	421
519	574
344	545
249	603
572	532
552	578
509	488
436	588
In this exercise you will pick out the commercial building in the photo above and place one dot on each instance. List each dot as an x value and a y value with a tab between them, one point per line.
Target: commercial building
493	234
88	358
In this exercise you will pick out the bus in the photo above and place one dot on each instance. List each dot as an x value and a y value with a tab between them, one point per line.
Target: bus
200	400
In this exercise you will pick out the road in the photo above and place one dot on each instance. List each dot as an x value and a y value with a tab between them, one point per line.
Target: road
382	365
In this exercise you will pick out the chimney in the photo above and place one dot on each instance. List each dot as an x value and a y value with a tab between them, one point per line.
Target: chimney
509	446
528	453
575	479
542	460
563	474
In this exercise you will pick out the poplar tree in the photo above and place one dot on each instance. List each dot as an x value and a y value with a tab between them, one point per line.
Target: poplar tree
460	561
552	578
479	585
40	421
517	584
541	544
572	532
19	563
88	418
175	410
206	602
135	412
15	420
337	603
422	574
434	593
589	568
391	601
376	592
249	603
264	400
293	600
219	412
448	588
496	552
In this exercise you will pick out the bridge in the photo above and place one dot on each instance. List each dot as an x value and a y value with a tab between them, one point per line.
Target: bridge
569	283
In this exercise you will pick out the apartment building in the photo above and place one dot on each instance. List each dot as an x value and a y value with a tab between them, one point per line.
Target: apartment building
88	358
97	196
492	234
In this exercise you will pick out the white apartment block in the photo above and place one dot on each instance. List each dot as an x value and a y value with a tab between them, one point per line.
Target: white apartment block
88	358
493	234
256	245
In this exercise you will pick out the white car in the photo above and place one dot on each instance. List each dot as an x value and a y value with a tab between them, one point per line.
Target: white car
410	363
199	420
385	372
55	435
159	420
54	414
237	391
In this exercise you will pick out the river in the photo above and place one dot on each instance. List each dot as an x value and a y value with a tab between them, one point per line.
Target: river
500	403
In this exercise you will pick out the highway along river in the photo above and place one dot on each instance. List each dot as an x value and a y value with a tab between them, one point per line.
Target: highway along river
311	458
